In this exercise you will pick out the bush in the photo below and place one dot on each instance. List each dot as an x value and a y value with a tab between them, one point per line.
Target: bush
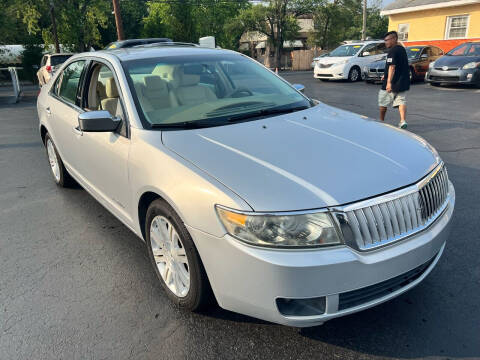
31	58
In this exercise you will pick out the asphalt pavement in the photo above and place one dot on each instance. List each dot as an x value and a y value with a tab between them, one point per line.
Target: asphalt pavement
77	284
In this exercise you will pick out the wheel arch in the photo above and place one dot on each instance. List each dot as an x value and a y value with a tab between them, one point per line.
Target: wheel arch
43	132
143	203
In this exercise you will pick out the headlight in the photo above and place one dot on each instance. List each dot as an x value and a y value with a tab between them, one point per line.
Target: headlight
431	65
471	65
280	230
342	62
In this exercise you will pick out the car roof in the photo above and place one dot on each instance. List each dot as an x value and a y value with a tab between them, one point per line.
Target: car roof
126	54
366	42
59	54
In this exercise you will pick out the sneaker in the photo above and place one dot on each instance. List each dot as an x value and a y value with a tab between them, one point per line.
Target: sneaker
402	125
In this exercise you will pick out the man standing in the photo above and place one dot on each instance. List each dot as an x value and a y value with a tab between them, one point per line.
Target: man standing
396	79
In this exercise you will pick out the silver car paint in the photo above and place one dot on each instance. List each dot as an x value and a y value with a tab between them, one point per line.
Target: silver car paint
349	158
344	158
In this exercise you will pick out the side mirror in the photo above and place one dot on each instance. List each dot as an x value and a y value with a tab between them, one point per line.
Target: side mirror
366	53
299	87
424	56
98	121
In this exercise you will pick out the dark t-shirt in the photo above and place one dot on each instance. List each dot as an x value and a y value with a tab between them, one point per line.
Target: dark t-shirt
401	79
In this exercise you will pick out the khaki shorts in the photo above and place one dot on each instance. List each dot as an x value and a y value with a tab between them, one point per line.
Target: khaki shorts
386	99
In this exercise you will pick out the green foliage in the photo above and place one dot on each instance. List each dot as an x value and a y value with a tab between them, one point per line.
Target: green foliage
188	21
342	20
85	23
277	19
31	57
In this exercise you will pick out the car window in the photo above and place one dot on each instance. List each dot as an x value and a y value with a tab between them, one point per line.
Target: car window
381	48
474	50
459	50
103	93
176	90
414	52
58	59
69	81
345	50
370	49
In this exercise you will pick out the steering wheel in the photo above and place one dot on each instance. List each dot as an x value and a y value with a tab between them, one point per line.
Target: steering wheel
241	90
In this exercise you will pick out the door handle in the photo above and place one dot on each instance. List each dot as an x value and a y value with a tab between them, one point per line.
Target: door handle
76	130
47	110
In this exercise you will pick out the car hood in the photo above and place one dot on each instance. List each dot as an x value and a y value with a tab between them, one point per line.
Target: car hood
333	60
309	159
455	61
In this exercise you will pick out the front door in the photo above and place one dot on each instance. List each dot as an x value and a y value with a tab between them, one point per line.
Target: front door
103	161
63	111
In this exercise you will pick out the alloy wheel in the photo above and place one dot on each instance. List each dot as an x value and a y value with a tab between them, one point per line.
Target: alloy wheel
170	256
53	160
354	74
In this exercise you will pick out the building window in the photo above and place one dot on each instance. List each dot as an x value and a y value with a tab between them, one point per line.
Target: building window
403	32
457	27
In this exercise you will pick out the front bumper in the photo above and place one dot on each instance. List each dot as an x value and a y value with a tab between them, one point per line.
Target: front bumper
460	76
248	280
334	72
373	75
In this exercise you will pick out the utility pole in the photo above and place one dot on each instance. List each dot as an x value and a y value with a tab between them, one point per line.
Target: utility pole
54	27
364	26
118	20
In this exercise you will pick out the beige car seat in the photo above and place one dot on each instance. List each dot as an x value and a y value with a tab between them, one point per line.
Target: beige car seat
112	102
188	91
156	94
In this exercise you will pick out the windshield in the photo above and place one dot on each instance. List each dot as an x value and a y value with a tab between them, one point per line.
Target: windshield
207	90
465	50
345	50
413	52
58	59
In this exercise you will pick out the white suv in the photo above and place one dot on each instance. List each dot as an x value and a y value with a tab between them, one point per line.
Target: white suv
346	61
49	64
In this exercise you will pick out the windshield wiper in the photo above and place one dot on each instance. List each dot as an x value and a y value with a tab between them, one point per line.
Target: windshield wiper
265	112
186	125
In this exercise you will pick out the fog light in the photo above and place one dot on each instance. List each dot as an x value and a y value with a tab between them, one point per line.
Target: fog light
469	76
301	307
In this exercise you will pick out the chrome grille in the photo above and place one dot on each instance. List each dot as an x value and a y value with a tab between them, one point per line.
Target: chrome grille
376	222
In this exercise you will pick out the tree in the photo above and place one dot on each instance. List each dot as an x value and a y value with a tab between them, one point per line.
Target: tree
78	21
185	20
171	19
341	20
277	19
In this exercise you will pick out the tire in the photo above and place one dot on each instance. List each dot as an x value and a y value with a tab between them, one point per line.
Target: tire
412	75
354	74
198	294
60	175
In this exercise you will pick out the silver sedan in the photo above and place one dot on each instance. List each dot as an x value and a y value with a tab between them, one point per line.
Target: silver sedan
244	190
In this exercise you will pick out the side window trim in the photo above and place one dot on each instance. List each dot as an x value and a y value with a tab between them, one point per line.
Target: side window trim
88	72
54	89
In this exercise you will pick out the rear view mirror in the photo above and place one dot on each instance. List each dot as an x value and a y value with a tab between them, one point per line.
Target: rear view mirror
366	53
98	121
424	56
